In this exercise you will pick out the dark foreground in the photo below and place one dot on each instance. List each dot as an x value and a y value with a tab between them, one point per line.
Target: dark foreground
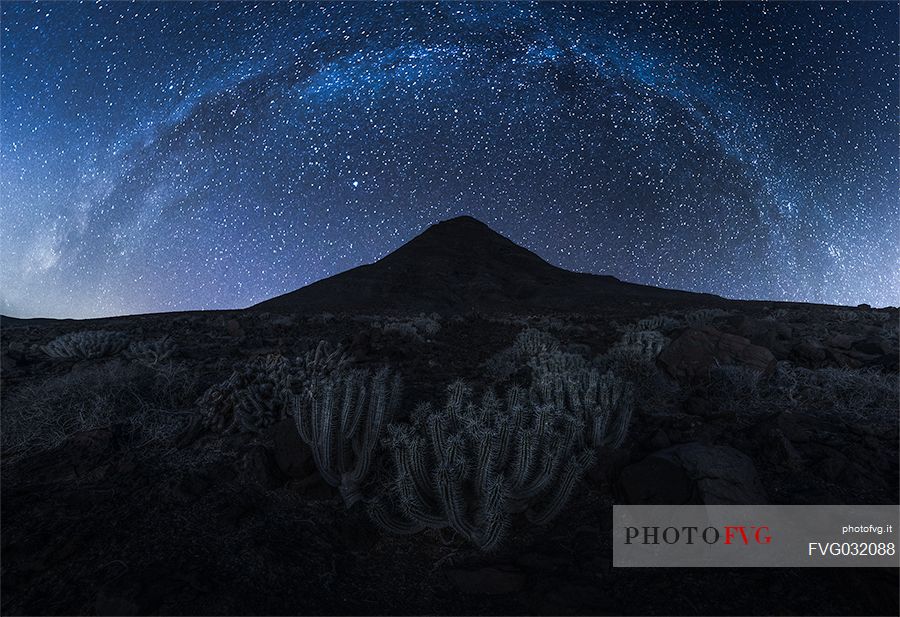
117	500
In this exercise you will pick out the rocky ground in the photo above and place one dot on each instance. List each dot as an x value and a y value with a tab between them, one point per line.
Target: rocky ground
117	500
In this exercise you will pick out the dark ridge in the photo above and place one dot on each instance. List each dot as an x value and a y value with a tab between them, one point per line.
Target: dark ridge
462	265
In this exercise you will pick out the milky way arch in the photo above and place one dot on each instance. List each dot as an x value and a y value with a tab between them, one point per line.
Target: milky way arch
178	156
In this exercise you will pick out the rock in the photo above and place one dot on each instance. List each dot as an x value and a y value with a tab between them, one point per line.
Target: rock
832	467
658	480
841	341
691	355
784	331
610	462
693	473
699	406
660	440
842	359
871	346
809	350
781	451
492	580
234	328
292	455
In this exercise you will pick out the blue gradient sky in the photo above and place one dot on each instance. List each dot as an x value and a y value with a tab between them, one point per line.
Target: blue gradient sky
173	156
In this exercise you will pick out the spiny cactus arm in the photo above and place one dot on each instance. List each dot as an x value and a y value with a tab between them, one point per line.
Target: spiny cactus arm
486	453
301	410
457	396
571	475
523	460
357	411
365	443
415	465
494	518
514	398
504	441
545	473
394	524
421	514
598	422
437	433
450	491
623	420
349	401
395	396
323	435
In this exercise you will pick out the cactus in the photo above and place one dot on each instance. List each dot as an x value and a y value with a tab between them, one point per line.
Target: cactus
662	323
86	344
259	393
531	342
473	466
151	353
340	415
641	345
255	396
601	403
702	317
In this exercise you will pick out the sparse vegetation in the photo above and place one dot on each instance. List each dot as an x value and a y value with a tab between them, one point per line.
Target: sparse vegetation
704	317
87	344
42	415
151	353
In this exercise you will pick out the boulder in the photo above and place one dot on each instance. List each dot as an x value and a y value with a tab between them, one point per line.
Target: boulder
693	473
810	351
872	346
696	351
658	480
233	327
841	341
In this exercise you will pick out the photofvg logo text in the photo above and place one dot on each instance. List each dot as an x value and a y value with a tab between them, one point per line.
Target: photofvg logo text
738	534
755	536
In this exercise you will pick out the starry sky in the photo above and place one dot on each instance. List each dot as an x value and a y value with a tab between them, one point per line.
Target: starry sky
163	156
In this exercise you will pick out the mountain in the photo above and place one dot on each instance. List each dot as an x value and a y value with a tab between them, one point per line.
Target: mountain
460	265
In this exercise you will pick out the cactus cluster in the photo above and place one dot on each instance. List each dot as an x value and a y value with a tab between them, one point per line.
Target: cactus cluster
640	345
317	363
662	323
530	345
340	415
259	393
531	342
603	403
556	362
86	344
255	396
702	317
151	353
471	467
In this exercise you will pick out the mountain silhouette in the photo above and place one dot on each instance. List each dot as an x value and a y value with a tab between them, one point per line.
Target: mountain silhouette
461	265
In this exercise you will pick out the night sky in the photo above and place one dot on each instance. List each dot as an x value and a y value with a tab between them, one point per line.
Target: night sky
173	156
